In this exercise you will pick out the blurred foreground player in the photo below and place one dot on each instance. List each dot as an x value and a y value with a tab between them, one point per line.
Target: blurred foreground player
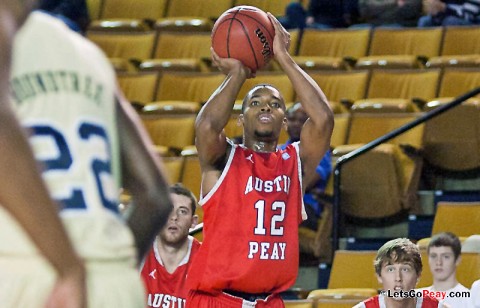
25	203
84	133
252	193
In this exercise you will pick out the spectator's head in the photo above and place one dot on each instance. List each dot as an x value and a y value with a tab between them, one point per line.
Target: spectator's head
296	117
398	265
444	256
182	217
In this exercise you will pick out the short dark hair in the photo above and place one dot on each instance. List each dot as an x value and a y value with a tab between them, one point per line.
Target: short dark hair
181	190
400	250
260	85
447	239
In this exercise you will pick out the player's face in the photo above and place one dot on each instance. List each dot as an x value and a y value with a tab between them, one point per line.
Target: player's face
179	222
398	277
264	114
442	262
296	119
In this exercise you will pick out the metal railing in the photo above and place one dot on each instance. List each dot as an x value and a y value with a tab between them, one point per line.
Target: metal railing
367	147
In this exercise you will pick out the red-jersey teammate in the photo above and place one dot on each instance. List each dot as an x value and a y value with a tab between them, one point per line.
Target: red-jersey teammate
252	193
166	265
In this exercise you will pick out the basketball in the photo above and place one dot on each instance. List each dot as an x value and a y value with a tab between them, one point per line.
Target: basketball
244	33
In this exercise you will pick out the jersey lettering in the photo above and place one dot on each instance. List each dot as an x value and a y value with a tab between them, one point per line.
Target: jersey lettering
279	184
266	250
275	220
60	160
165	301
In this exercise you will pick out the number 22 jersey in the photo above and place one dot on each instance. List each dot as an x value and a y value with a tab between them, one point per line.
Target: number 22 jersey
251	219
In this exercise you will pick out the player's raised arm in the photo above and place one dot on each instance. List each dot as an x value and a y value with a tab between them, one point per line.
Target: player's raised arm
212	118
317	130
143	177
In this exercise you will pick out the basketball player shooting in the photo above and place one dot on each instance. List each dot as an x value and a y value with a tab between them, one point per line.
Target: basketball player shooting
252	192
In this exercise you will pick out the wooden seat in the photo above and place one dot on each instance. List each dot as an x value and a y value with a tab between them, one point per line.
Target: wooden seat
348	264
185	86
358	294
172	124
127	45
138	87
449	214
331	49
299	303
174	167
145	9
210	9
180	24
402	47
460	47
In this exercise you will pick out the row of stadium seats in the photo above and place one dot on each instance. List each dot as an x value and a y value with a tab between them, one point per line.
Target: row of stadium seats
313	49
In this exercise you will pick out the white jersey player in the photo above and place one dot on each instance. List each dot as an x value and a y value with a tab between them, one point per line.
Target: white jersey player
64	92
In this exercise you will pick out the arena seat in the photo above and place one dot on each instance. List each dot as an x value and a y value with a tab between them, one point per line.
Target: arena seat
173	44
299	303
138	87
401	47
94	8
210	9
460	218
404	83
358	294
174	167
180	24
348	264
331	49
191	175
145	9
171	124
188	86
128	45
452	146
460	47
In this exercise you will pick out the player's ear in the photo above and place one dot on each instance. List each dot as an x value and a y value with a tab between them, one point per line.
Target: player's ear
285	123
240	120
379	279
194	221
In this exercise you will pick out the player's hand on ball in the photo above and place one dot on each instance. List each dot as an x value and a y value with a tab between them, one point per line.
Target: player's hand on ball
230	65
281	41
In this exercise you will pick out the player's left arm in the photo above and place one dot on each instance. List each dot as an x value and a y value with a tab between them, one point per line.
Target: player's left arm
143	176
317	130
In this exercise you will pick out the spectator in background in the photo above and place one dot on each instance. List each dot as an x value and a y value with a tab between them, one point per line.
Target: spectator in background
321	14
444	257
389	13
166	265
475	295
450	13
74	13
398	266
314	197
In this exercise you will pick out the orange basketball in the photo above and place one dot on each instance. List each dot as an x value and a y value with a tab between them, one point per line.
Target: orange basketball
244	33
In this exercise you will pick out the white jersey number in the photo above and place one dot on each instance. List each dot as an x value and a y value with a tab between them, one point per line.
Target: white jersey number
63	161
277	218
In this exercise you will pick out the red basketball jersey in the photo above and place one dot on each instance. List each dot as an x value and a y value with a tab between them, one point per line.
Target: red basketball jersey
422	302
251	219
165	289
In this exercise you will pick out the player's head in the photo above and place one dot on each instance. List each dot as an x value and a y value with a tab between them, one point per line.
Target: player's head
263	113
182	217
296	117
444	256
398	265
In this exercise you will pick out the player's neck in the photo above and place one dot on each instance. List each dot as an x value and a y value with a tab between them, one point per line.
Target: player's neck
262	146
446	284
406	303
172	255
